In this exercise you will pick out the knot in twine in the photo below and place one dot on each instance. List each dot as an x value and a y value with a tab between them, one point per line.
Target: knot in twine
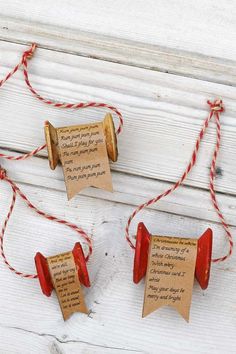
216	106
3	173
29	53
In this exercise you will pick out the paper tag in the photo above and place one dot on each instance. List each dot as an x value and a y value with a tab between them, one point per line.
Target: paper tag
66	283
84	158
170	274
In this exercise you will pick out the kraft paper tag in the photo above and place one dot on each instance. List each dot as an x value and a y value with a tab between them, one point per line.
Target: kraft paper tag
66	283
170	274
84	158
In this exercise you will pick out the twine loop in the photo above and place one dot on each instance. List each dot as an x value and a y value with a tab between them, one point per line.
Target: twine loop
16	191
64	105
29	53
216	106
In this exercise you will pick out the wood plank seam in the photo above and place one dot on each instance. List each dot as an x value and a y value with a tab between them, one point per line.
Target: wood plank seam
194	60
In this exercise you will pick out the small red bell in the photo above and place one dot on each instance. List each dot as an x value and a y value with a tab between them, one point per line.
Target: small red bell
44	274
203	261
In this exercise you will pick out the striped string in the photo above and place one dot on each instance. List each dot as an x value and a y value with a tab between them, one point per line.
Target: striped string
26	55
66	105
16	191
23	157
24	62
216	108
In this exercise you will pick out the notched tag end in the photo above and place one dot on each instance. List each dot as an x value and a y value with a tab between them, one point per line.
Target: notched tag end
170	274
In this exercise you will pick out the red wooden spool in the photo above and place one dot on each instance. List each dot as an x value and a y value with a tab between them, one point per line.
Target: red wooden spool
203	262
44	274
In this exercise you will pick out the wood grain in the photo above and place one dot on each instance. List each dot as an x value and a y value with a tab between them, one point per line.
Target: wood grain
162	23
158	62
128	189
194	39
165	111
115	302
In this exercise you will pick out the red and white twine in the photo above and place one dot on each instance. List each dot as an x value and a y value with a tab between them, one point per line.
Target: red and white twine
23	157
24	62
16	191
215	109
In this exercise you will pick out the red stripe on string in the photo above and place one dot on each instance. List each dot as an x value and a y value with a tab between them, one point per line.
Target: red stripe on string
16	191
27	55
215	109
24	62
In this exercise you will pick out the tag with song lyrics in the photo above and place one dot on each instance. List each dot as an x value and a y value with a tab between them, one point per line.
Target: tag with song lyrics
84	152
170	274
66	283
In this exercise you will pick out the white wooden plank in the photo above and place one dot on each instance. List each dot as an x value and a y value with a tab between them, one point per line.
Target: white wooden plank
114	300
128	189
123	51
206	21
28	342
159	36
165	112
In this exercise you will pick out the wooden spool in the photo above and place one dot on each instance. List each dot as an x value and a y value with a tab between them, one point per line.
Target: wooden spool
52	141
203	261
44	276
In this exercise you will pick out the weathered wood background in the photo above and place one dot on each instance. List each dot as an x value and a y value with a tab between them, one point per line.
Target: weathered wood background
158	62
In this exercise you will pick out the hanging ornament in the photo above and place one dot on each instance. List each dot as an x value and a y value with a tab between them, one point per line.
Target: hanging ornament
84	152
66	273
170	263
